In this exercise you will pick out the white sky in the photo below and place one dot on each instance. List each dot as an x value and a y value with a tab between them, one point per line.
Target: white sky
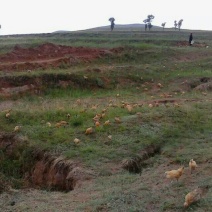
43	16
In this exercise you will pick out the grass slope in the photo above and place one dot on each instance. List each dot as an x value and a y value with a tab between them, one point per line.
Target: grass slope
154	75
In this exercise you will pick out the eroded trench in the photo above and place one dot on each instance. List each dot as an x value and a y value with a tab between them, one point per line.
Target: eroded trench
41	170
38	168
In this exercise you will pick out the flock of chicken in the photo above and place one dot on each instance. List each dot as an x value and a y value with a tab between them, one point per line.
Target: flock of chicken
194	195
190	198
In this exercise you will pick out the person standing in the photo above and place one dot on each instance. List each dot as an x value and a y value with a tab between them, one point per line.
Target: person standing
190	39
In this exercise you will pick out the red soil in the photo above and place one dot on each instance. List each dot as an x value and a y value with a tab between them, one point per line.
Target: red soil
48	55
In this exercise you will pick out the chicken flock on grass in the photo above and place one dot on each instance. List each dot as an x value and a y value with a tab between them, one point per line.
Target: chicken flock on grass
190	198
194	195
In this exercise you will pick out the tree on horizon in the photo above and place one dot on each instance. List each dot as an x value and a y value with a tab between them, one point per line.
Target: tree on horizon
175	24
180	24
148	21
163	25
112	24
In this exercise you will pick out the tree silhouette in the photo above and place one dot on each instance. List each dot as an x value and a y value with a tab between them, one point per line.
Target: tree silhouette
148	22
175	24
163	25
112	24
180	23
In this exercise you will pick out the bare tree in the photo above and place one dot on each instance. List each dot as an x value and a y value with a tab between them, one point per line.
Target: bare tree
163	25
148	22
180	23
112	24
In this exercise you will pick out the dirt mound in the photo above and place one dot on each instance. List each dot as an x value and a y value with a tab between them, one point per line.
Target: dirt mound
49	55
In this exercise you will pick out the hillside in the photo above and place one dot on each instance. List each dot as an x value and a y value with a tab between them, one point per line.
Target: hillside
92	121
118	27
122	27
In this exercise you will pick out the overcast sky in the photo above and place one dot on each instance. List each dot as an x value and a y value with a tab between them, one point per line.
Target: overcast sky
44	16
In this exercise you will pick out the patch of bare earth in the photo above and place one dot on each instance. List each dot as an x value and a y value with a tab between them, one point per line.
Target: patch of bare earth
49	55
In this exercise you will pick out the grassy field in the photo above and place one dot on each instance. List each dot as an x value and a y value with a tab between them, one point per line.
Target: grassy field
162	93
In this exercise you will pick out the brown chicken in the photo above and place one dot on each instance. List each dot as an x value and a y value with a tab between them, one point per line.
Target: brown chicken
117	120
129	107
97	124
104	110
102	115
174	173
195	195
89	131
107	122
192	165
61	124
97	117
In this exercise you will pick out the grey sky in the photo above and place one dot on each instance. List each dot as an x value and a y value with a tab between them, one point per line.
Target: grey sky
43	16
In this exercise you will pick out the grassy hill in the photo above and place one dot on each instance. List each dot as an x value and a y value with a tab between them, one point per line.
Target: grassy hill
118	27
151	87
123	27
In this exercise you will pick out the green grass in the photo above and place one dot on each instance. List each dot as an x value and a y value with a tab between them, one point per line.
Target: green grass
131	76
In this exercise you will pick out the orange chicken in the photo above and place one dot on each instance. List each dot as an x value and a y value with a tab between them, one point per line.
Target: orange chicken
61	123
97	124
89	131
102	115
129	107
117	120
195	195
174	173
94	107
78	101
97	117
107	123
104	110
192	165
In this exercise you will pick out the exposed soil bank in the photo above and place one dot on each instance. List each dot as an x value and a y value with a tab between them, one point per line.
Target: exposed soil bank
38	168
